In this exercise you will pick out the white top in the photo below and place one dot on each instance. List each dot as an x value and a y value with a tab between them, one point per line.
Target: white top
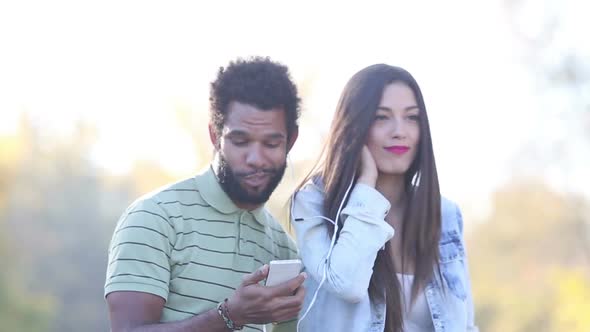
417	318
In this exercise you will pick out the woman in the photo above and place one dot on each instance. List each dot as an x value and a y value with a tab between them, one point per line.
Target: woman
383	250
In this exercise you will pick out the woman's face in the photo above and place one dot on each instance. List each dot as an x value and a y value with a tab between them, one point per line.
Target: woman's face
395	133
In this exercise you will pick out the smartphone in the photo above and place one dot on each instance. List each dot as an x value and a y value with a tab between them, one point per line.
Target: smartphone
283	270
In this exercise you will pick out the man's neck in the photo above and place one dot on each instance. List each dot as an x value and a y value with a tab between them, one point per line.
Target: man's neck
247	207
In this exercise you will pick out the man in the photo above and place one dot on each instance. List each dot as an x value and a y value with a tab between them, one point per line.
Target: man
192	256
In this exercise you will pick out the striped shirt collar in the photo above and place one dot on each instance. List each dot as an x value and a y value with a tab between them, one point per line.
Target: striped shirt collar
214	195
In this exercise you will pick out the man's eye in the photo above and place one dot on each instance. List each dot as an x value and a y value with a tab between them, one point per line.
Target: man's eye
273	144
239	142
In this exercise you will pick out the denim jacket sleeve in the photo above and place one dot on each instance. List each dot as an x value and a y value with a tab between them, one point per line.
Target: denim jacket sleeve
471	327
363	234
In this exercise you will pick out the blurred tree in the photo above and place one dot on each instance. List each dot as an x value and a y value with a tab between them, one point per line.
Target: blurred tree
20	309
572	297
147	176
557	57
59	212
195	123
57	225
521	256
552	48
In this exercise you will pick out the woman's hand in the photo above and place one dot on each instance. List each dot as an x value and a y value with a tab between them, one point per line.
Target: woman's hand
369	171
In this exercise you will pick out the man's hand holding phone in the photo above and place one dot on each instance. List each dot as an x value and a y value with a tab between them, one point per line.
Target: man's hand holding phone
280	300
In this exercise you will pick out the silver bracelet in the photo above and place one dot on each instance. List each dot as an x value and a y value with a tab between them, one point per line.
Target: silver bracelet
224	313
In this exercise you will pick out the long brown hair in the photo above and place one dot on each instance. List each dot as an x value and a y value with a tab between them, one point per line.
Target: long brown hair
337	167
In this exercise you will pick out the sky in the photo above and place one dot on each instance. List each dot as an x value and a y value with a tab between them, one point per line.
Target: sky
127	67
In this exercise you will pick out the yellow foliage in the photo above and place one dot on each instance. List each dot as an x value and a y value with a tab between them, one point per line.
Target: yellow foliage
10	150
10	156
572	303
522	261
148	176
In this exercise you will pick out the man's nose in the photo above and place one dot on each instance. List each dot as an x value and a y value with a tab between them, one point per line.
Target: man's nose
255	156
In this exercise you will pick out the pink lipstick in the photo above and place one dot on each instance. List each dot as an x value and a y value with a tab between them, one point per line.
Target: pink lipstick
398	149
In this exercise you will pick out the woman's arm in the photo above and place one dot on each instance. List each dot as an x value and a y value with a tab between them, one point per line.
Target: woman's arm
471	327
364	233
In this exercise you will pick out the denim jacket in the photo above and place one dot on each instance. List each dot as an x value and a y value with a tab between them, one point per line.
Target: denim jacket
343	302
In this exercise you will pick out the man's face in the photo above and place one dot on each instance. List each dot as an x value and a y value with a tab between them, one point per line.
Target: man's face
252	153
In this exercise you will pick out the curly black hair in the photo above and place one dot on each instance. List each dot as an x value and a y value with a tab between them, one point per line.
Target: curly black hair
256	81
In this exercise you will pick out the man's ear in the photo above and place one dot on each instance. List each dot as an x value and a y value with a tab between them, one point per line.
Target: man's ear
213	136
293	138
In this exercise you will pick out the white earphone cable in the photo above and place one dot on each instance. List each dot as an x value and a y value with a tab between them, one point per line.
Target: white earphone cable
327	259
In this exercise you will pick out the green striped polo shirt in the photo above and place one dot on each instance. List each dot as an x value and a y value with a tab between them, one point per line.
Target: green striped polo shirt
190	244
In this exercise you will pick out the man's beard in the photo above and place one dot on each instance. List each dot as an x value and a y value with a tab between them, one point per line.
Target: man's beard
230	182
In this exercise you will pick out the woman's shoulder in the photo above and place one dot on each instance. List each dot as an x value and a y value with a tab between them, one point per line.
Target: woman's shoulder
313	186
452	219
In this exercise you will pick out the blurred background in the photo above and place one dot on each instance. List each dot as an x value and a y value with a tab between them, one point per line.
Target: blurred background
102	101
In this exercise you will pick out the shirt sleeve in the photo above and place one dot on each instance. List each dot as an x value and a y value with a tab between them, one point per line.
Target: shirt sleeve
140	250
471	327
364	233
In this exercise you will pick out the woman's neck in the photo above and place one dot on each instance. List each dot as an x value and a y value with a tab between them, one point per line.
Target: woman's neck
393	188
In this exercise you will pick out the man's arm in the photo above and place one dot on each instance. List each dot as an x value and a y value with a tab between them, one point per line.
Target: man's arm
251	303
141	312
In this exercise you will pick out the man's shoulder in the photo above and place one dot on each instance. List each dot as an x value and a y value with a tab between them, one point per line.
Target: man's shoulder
158	199
180	187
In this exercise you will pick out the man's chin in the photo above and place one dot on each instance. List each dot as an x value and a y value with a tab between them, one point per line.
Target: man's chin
254	190
254	193
253	200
